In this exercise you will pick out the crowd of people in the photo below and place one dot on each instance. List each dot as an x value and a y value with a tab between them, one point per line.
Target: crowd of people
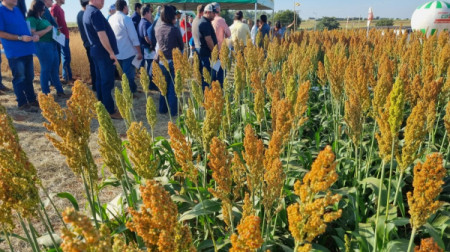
117	40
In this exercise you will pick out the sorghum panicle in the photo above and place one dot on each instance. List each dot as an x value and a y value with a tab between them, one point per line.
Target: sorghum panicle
427	183
150	112
254	158
249	237
428	245
183	153
140	147
158	78
214	102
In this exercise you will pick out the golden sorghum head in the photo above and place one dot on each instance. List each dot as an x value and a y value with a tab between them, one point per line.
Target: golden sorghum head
384	85
156	222
249	237
178	83
163	60
447	118
124	101
178	62
150	112
291	89
415	132
83	236
144	79
109	142
354	117
215	55
220	164
413	94
197	92
384	138
192	124
183	152
247	208
140	147
206	75
308	219
158	78
213	104
431	90
428	181
73	127
255	81
239	76
270	84
396	108
196	73
431	115
428	245
239	174
321	74
120	245
259	105
284	118
301	104
254	158
18	178
274	176
225	59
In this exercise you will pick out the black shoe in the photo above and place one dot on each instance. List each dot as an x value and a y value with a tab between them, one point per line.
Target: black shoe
28	108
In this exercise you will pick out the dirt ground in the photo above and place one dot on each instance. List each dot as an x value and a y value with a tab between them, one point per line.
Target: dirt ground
51	165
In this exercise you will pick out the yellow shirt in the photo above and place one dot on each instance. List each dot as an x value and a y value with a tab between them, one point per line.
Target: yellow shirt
239	31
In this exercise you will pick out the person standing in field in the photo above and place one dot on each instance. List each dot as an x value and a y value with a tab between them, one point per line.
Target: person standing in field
168	38
45	49
85	40
206	38
103	49
254	31
239	30
194	25
19	49
264	28
58	13
147	46
136	17
127	41
111	11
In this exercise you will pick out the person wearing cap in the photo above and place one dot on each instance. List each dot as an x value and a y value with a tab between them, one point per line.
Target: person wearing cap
168	38
136	17
103	48
239	30
85	40
127	41
206	38
111	11
19	48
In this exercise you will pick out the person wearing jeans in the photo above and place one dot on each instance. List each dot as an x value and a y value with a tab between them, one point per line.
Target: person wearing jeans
58	13
127	41
19	49
46	49
85	40
103	48
168	37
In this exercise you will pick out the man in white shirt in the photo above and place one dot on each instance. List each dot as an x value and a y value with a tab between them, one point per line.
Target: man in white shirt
127	41
254	31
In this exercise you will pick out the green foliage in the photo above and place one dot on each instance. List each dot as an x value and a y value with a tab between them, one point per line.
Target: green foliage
329	23
286	17
385	22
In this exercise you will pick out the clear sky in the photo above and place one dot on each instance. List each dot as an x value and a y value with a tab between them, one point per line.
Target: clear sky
309	8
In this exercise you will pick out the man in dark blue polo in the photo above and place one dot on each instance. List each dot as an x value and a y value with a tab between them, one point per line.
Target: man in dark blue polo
85	39
103	50
19	48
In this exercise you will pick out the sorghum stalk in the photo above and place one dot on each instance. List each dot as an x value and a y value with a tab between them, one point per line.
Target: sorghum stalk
33	245
7	238
50	232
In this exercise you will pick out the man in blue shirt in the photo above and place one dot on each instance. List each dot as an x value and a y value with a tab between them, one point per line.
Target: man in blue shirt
103	49
19	48
85	40
146	44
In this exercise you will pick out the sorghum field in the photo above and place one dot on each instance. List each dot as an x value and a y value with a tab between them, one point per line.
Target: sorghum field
324	141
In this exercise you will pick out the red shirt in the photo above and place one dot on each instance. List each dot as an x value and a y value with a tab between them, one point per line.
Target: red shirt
187	33
58	13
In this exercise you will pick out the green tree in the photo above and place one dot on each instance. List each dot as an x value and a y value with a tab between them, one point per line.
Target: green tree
329	23
286	17
385	22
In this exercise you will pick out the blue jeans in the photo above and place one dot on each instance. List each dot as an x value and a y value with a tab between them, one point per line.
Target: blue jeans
171	95
48	58
218	76
23	74
66	59
130	71
91	67
104	81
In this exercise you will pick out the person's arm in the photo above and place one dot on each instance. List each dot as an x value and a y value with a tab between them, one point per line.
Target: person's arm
226	29
180	43
210	43
41	32
105	43
15	37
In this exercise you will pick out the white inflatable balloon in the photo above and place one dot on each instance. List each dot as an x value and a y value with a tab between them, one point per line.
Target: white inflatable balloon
431	17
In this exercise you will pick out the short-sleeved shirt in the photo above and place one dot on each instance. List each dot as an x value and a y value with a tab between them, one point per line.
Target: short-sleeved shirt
265	29
58	13
94	21
240	31
205	29
81	28
13	22
142	32
39	24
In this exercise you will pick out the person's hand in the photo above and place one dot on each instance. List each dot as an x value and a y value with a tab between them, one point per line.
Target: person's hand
35	38
139	56
113	57
26	38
